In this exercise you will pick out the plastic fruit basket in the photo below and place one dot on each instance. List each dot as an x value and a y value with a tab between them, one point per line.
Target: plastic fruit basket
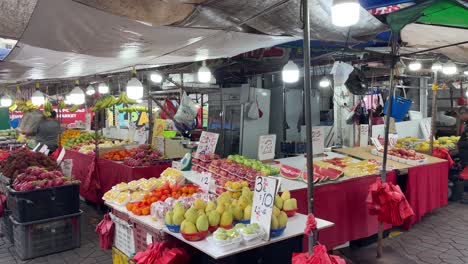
173	228
195	236
277	232
212	229
290	213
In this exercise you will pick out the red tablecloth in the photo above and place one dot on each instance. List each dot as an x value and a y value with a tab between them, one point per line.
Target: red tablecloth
426	189
343	203
109	173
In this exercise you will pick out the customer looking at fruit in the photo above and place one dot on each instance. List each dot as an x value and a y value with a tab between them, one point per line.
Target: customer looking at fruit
47	132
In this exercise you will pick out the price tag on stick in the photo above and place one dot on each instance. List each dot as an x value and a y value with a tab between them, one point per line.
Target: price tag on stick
60	156
263	201
318	140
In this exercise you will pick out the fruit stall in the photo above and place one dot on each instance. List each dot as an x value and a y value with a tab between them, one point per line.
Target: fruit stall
42	213
209	225
119	161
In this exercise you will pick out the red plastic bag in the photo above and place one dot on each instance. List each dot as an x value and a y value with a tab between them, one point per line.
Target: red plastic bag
160	253
170	108
105	231
443	153
388	202
320	256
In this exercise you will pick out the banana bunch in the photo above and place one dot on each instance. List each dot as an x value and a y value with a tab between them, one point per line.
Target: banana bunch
47	109
123	99
73	109
104	102
13	107
25	106
61	105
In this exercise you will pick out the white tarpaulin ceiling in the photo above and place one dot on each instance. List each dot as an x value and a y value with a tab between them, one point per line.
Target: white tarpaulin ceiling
66	39
428	36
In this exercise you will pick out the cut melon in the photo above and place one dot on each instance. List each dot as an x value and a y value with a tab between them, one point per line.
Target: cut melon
289	172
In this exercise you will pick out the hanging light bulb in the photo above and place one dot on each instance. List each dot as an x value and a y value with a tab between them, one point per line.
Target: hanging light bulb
449	68
103	88
415	66
204	74
466	93
345	13
290	72
90	90
134	88
465	72
6	101
324	82
68	100
77	96
156	77
437	66
37	98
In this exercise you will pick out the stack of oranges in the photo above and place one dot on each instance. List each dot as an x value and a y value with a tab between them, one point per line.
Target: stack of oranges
160	194
118	154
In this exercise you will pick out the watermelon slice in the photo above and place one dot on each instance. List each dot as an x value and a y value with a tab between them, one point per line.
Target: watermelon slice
289	172
332	174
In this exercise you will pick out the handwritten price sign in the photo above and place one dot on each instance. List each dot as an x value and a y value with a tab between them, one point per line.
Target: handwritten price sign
207	143
266	147
263	200
318	140
364	135
204	182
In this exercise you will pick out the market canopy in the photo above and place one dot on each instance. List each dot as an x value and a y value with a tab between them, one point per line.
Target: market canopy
433	24
66	39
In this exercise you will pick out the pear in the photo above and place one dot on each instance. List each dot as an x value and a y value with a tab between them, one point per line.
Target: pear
191	215
290	204
247	212
202	223
213	218
279	202
226	219
276	211
285	195
210	206
274	222
243	202
178	208
221	208
238	213
282	219
177	218
168	218
199	204
188	227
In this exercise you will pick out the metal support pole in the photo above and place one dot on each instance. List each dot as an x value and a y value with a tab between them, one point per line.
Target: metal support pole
150	113
308	118
383	174
434	112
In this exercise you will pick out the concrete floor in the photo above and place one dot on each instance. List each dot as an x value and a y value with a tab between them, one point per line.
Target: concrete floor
442	237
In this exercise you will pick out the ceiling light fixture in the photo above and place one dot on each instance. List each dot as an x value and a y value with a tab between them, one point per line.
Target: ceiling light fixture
415	66
37	98
204	74
90	90
449	68
103	88
345	13
134	87
6	101
324	82
290	72
156	77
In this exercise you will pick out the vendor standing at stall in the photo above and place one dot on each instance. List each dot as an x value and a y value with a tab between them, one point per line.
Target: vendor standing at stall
47	132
